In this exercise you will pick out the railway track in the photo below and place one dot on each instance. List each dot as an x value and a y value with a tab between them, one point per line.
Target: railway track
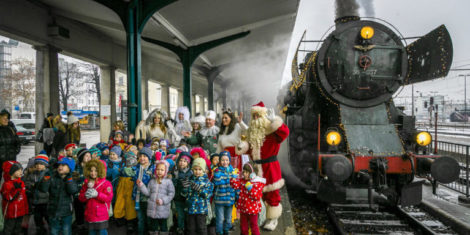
361	219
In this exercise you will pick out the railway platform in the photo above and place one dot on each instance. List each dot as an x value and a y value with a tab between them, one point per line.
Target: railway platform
445	207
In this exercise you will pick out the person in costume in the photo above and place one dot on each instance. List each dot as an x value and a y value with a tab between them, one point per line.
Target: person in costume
230	135
265	135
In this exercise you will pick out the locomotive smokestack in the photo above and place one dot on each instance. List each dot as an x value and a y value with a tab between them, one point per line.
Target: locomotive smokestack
346	10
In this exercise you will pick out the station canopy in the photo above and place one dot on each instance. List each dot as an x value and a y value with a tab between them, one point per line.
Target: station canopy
191	22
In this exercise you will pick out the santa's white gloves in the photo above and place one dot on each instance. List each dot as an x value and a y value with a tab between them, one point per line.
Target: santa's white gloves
270	114
91	193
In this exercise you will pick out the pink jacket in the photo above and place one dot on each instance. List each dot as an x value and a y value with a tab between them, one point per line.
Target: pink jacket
96	209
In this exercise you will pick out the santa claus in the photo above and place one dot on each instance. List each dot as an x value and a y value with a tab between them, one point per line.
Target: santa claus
264	136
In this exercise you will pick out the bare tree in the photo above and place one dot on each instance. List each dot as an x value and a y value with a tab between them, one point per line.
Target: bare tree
70	78
93	73
19	86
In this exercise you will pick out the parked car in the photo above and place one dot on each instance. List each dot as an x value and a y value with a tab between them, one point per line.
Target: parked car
26	132
25	129
28	115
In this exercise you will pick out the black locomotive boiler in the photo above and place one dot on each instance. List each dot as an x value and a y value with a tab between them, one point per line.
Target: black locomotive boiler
346	132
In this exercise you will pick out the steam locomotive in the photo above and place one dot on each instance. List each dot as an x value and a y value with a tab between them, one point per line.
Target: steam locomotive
346	132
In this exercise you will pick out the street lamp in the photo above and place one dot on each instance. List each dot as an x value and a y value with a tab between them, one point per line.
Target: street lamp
465	94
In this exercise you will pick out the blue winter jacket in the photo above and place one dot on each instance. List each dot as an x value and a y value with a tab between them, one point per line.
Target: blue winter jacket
198	201
113	171
224	194
146	177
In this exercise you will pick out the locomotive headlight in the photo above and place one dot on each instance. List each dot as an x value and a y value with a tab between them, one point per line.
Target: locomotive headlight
423	138
367	32
333	138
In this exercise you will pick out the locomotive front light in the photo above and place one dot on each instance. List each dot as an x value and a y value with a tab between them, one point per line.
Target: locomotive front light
367	32
423	138
333	138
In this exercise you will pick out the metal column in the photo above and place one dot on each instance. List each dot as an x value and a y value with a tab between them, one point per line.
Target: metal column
189	55
134	14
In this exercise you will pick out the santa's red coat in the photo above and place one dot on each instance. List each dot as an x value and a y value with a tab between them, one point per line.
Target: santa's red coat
276	134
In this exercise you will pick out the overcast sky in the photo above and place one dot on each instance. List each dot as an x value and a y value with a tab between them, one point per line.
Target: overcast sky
411	18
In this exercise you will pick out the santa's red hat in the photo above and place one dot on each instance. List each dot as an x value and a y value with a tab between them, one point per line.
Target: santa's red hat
259	108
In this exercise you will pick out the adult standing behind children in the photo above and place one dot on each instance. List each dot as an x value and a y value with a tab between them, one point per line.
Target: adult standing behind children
97	193
60	137
10	144
265	135
73	130
230	137
46	133
208	136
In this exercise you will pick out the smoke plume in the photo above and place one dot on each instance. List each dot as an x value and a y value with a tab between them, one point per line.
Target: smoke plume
368	7
346	8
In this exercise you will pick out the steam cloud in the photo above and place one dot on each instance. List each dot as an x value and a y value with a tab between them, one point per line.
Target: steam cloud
346	8
368	6
257	71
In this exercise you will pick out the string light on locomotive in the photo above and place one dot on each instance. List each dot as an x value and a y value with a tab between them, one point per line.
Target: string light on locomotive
423	138
333	138
367	32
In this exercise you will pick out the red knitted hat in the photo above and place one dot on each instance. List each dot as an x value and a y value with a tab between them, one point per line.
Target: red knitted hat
72	145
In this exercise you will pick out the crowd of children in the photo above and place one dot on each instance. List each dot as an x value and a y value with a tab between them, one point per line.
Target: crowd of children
148	188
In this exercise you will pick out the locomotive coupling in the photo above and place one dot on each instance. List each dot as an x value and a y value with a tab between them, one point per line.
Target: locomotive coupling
338	168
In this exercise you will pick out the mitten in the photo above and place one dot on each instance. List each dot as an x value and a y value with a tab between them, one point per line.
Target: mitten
92	193
196	187
186	183
129	172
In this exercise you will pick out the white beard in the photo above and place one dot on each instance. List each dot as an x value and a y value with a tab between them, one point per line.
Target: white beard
257	132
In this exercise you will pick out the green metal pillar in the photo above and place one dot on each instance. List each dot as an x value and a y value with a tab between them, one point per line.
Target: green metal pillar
134	14
210	93
189	55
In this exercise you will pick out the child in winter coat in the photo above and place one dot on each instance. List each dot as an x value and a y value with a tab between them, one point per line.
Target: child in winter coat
224	195
97	193
182	173
14	201
143	173
199	152
61	188
199	190
118	140
69	149
124	208
103	147
95	153
83	157
115	165
160	191
249	203
38	199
